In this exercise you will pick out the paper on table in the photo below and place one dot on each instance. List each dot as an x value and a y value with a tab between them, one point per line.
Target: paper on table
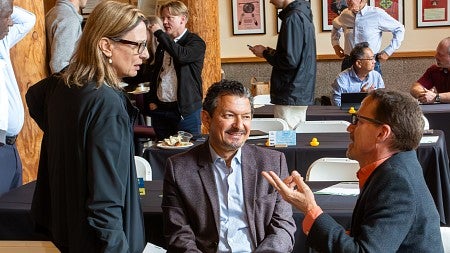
257	137
343	189
429	139
152	248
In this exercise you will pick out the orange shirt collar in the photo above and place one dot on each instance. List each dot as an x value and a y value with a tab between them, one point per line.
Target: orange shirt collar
364	173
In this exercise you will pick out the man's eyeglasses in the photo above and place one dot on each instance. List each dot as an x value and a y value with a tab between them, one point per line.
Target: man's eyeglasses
141	45
355	118
368	59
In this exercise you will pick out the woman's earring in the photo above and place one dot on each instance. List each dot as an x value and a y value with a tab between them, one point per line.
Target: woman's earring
110	60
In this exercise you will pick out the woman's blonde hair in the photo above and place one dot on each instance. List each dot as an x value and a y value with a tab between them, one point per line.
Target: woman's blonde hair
153	19
152	43
108	19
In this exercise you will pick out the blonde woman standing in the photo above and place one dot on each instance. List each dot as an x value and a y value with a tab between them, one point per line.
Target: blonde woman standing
86	197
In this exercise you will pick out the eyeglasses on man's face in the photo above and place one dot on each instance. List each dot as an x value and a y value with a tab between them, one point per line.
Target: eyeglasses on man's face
140	45
368	59
355	118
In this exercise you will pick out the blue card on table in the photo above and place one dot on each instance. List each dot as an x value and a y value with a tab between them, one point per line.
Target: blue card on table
285	137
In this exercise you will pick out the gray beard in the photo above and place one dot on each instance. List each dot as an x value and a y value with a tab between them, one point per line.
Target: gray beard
234	146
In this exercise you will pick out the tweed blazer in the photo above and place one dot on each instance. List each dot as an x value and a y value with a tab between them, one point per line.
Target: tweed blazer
395	212
191	204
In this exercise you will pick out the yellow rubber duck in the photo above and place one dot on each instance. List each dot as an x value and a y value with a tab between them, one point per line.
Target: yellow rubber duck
314	142
352	110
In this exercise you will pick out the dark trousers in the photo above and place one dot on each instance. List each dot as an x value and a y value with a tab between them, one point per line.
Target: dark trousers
169	121
10	168
346	63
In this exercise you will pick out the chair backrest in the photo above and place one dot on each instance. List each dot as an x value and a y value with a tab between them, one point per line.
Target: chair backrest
333	169
261	100
143	168
325	126
427	124
445	235
269	124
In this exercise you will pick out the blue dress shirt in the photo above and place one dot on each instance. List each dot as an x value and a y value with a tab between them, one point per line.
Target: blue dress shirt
367	25
347	82
13	117
234	233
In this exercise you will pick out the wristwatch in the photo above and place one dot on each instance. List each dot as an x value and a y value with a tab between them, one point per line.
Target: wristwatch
437	99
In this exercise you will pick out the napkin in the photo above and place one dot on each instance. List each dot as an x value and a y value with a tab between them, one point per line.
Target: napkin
342	188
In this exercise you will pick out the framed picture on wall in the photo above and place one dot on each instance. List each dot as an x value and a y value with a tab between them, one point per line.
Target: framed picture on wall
433	13
330	10
395	8
248	17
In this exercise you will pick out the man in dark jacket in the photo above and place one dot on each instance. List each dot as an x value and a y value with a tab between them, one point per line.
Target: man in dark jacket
176	93
294	62
395	211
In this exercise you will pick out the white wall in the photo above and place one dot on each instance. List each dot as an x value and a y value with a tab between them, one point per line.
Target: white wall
416	39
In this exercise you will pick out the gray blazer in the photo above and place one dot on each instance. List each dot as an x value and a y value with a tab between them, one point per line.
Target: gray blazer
191	205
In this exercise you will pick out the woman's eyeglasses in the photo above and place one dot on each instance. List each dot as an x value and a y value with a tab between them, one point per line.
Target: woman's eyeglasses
355	118
141	45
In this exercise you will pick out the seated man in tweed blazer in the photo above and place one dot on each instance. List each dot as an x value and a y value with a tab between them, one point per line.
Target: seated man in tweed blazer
395	211
214	197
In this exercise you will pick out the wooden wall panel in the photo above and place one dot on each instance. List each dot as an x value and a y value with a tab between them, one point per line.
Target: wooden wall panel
48	4
29	62
204	20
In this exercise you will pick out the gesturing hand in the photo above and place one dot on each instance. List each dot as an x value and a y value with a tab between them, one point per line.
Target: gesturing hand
293	189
